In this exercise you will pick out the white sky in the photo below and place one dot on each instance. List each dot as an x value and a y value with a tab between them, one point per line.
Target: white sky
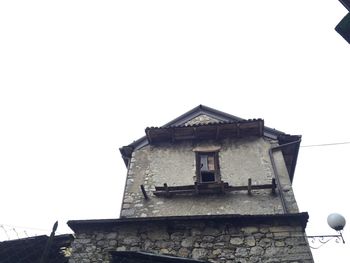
79	79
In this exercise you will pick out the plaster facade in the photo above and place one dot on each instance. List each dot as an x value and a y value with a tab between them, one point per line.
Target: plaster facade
175	164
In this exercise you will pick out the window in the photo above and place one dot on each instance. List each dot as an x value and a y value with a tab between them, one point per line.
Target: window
207	167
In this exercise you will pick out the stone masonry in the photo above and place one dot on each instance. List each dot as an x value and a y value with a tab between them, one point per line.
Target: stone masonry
213	240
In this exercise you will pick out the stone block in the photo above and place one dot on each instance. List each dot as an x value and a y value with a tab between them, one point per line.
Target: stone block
164	251
281	229
199	253
208	238
236	241
281	235
112	243
111	235
188	242
250	241
206	244
128	212
241	252
250	230
131	240
121	248
256	251
184	252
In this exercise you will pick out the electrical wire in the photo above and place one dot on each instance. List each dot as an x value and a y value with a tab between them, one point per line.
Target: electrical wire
323	144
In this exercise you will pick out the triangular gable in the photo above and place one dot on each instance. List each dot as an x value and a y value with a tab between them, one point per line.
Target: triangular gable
198	114
206	115
204	111
201	119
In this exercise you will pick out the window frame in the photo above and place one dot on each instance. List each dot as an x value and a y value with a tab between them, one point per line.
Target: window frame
217	175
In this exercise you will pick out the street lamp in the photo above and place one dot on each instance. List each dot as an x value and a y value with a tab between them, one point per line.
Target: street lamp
335	221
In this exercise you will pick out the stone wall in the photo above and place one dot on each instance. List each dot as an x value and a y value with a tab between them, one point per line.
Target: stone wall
221	241
174	164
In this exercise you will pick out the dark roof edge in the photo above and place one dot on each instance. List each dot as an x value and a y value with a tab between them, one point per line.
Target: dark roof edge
300	218
204	125
286	139
201	109
196	111
223	116
151	257
42	238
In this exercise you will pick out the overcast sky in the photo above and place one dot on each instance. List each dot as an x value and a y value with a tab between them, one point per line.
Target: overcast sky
79	79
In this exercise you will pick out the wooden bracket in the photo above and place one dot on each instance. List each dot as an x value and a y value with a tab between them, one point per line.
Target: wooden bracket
166	190
250	186
144	192
273	186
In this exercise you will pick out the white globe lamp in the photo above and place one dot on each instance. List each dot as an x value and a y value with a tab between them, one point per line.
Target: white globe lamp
336	221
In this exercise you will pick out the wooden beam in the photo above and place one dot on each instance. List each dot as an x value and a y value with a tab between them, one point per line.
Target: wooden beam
209	188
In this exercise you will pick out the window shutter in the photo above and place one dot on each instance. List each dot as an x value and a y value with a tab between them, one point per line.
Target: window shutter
211	163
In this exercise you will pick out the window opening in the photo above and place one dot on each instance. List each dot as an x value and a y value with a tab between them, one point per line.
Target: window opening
208	167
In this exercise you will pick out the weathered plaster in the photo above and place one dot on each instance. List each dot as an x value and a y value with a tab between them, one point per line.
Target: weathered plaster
174	164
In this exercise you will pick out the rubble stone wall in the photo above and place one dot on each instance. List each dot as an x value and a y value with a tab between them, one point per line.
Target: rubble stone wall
219	242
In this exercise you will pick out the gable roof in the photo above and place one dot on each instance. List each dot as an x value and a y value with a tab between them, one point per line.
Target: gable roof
220	118
212	130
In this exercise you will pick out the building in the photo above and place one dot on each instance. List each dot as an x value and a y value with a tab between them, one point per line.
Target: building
31	249
205	187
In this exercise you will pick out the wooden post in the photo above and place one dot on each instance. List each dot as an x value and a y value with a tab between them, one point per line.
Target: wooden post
46	253
249	186
144	192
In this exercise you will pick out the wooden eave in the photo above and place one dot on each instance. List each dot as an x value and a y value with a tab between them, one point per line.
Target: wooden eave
225	130
212	131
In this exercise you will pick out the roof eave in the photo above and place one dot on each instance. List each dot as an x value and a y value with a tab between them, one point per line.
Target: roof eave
196	111
103	224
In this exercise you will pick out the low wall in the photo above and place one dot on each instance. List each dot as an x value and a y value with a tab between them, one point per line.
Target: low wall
215	239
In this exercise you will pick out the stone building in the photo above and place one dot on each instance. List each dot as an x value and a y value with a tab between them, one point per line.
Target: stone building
205	187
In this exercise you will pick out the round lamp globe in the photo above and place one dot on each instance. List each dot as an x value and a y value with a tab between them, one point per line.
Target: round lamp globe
336	221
